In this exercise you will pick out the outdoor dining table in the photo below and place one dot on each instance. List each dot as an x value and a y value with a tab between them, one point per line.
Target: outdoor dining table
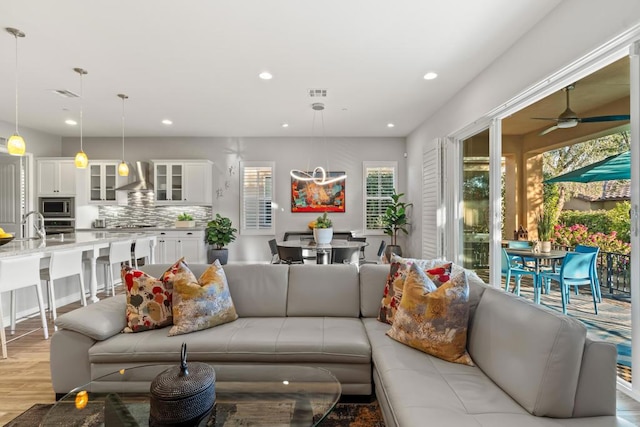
553	256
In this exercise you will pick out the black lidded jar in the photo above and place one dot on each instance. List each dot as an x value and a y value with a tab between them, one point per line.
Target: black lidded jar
182	396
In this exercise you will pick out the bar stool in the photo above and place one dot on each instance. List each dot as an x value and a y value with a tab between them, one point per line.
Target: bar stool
119	252
16	273
142	250
63	264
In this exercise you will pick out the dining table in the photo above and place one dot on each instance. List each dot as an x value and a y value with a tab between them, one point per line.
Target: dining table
323	251
552	256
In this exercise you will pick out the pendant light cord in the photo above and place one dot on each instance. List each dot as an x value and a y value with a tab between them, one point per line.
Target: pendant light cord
123	98
16	36
81	107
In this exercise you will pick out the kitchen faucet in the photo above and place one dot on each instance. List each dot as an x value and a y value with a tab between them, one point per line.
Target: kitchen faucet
40	231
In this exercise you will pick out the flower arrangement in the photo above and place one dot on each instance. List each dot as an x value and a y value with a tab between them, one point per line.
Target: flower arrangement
545	226
323	221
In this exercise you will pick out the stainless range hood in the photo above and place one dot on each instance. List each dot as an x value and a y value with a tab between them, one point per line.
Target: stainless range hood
143	182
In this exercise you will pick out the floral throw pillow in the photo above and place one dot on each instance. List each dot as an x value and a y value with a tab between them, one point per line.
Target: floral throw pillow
395	282
434	319
201	303
148	299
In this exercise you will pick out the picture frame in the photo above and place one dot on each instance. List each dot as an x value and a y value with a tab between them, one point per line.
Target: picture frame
307	196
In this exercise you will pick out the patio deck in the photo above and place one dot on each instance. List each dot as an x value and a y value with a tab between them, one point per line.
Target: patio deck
611	324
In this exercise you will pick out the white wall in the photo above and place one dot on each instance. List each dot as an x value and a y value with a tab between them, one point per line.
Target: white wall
343	154
39	143
573	29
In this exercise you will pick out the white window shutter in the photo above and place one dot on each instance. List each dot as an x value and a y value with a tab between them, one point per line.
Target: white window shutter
432	196
256	197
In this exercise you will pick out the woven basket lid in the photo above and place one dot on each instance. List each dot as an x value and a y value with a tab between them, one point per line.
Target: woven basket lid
180	382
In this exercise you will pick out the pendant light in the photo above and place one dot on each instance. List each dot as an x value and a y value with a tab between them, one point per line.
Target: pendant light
319	174
15	144
81	160
123	169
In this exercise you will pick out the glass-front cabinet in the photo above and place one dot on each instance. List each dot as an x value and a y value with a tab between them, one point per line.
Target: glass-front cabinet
103	181
183	182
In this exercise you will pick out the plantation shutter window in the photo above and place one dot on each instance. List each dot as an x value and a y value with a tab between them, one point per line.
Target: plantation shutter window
379	185
256	188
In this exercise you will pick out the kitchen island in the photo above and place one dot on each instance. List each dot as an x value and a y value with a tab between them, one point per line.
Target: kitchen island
90	242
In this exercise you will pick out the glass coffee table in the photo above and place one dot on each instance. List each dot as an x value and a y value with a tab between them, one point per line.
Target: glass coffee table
249	395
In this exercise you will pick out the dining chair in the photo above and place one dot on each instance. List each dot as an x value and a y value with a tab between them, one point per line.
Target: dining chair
290	255
509	268
67	263
273	247
594	269
576	270
521	244
119	253
381	248
345	255
362	240
17	273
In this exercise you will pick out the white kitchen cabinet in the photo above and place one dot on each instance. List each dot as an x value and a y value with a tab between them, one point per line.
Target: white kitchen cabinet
56	177
103	180
173	245
183	182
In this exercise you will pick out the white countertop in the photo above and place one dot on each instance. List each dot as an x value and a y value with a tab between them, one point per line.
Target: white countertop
79	239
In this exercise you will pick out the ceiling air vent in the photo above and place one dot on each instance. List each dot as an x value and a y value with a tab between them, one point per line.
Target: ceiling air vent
66	93
318	93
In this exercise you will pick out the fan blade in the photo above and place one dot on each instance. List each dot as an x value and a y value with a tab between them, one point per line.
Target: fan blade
545	118
551	129
604	118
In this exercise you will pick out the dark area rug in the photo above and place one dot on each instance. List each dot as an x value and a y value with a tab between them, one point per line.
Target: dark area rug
344	415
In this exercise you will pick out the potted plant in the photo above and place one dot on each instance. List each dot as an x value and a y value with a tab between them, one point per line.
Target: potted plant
323	230
394	220
185	220
219	233
545	230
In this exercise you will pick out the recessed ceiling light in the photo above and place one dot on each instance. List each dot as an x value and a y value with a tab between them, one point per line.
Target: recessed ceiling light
430	75
71	122
285	125
390	125
167	122
265	75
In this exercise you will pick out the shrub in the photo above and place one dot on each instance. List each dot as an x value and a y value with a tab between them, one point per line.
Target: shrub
579	234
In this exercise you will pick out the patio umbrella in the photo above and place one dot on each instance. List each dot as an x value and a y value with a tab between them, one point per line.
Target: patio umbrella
611	168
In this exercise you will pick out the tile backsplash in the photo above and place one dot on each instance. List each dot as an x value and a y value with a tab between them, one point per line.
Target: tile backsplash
141	209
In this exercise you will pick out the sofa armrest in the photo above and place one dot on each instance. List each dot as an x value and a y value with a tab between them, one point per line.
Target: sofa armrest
98	321
69	364
596	392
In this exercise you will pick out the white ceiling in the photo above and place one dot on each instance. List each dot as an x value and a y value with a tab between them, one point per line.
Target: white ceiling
197	62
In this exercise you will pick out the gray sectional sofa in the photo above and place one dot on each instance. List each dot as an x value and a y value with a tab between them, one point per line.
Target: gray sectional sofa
534	367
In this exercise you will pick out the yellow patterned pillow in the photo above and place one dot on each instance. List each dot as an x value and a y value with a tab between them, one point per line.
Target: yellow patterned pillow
201	303
434	319
395	282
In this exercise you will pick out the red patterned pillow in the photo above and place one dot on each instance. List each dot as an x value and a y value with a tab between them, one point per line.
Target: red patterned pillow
149	300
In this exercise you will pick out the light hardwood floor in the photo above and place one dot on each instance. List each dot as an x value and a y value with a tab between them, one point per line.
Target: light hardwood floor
25	378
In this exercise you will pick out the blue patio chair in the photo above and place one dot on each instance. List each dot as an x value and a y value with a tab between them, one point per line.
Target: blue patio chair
521	244
591	249
510	268
576	270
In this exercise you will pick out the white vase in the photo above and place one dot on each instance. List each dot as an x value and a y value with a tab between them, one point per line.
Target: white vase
545	247
322	236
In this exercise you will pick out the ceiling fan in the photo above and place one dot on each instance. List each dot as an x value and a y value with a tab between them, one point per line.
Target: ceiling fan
569	119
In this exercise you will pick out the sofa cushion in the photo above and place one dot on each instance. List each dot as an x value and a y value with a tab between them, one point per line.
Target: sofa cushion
532	353
315	290
434	320
247	340
258	290
99	321
200	303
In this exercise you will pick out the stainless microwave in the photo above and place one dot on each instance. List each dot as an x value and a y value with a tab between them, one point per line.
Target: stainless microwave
57	207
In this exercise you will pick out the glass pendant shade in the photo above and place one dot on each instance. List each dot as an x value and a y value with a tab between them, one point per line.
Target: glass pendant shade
123	169
81	160
16	145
